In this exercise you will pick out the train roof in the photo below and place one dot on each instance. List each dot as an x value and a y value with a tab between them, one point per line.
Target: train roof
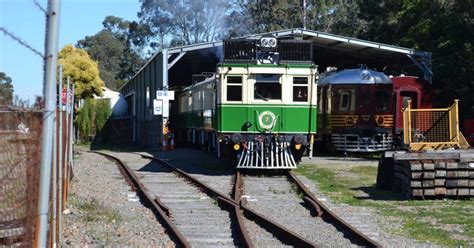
175	66
354	76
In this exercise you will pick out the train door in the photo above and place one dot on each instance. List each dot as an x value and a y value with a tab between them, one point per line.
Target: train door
409	95
402	102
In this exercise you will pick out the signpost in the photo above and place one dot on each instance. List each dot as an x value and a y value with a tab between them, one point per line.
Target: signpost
161	105
64	96
157	107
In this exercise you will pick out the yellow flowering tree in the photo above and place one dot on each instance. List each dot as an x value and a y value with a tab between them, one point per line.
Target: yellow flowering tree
82	70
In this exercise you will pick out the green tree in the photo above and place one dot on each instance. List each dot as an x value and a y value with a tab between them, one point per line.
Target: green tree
82	70
272	15
336	17
256	16
6	89
117	49
447	29
185	22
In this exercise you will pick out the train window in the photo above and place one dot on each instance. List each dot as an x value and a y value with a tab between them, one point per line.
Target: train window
300	93
234	80
300	80
234	88
234	92
383	100
267	87
365	98
344	100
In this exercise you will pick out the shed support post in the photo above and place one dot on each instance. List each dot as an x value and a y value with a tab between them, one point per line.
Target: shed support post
180	55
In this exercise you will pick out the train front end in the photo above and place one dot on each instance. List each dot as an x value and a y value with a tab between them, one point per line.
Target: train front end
356	110
266	102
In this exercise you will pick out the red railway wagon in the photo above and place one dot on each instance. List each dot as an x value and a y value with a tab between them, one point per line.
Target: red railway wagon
405	88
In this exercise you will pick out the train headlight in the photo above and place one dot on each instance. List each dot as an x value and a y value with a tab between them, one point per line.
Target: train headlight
236	147
268	43
272	42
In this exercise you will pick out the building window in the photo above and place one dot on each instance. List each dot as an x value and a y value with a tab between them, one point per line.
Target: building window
344	100
300	89
234	88
267	87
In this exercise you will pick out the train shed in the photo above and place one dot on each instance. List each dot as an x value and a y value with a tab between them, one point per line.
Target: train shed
174	67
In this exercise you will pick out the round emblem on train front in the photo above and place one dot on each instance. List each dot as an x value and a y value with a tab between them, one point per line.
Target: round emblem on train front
266	120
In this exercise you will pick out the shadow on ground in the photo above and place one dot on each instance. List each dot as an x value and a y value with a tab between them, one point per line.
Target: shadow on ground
375	194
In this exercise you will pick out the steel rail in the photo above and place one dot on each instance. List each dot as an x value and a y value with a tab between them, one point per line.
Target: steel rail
159	209
233	206
281	232
325	212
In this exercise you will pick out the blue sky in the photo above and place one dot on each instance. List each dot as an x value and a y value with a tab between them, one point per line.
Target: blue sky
78	18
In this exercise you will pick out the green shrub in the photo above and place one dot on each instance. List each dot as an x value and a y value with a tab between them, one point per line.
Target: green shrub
92	117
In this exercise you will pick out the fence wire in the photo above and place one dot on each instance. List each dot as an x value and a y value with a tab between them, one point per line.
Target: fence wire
20	156
20	152
430	126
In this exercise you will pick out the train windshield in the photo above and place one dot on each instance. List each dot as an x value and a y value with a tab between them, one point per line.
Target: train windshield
267	87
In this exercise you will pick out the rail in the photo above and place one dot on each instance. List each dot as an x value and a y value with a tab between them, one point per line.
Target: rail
325	212
432	129
163	212
279	231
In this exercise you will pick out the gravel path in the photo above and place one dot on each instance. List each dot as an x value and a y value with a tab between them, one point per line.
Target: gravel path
274	197
103	211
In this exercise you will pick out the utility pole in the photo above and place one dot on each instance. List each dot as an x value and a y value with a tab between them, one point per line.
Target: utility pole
304	14
49	93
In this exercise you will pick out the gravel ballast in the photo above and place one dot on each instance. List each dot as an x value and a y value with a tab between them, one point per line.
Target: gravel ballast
103	211
382	229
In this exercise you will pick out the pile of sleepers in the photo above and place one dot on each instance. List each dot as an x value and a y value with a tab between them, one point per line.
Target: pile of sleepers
431	174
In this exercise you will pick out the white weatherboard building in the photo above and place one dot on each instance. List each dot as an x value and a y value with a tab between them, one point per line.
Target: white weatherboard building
118	105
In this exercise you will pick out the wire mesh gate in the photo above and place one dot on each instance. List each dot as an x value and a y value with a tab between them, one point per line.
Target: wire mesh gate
432	129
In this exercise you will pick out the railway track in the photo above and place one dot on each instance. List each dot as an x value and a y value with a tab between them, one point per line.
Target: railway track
198	215
285	199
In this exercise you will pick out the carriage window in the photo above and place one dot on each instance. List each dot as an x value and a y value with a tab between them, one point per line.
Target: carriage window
365	98
383	100
267	86
300	89
344	100
234	88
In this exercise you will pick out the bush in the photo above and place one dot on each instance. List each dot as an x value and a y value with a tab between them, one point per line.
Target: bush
92	117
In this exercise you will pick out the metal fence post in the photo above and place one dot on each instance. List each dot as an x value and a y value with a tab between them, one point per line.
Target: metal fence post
55	180
71	147
51	47
60	151
66	162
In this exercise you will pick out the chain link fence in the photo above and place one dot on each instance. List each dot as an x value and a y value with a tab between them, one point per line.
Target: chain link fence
20	149
20	156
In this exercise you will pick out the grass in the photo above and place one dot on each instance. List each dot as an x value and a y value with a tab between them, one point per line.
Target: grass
93	211
443	222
